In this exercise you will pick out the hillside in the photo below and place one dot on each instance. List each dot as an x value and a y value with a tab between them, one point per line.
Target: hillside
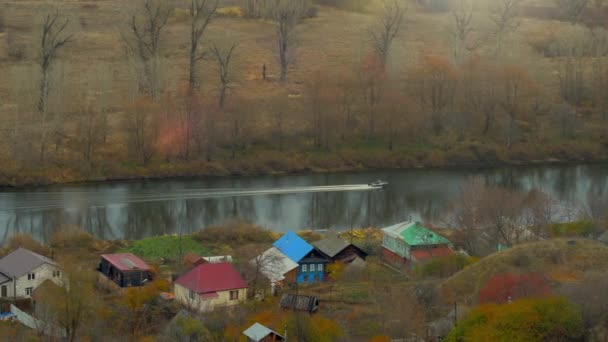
561	261
100	126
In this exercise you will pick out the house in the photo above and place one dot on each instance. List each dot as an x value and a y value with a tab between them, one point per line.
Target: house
210	285
299	302
311	263
191	260
22	271
260	333
336	249
276	267
125	269
411	242
603	238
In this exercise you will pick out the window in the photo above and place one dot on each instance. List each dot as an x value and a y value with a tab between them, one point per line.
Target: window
31	276
320	267
56	274
234	295
29	290
312	268
304	268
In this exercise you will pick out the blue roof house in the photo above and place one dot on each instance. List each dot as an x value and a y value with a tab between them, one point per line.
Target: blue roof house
311	263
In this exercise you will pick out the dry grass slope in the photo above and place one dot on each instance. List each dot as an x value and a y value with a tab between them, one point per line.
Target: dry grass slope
559	260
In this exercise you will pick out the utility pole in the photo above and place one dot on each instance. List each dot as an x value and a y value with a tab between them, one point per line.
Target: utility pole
455	314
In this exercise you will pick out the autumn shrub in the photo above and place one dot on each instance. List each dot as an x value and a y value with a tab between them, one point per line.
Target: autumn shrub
230	11
28	242
583	228
72	238
508	286
541	319
443	266
349	5
235	233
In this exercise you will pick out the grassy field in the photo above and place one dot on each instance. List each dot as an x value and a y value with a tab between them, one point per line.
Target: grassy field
166	247
559	260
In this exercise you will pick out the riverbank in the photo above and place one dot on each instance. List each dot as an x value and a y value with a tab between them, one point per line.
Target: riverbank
271	163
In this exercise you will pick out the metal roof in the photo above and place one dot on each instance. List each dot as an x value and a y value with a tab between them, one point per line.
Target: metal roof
273	264
293	246
126	261
299	302
415	234
331	246
257	332
212	277
20	262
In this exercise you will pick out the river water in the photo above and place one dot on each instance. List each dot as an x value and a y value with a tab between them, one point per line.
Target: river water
137	209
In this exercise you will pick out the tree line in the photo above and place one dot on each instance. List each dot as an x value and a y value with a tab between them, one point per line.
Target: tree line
478	91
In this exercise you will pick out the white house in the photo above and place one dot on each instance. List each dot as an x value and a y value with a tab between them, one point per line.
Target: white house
22	271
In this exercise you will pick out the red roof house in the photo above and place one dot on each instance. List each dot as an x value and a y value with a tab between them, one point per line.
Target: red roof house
211	285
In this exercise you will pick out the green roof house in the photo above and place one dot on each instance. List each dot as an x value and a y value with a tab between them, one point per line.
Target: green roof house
412	242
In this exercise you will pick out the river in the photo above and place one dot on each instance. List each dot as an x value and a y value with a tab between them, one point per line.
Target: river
138	209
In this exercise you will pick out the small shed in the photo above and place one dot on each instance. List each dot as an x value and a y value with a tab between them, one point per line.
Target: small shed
260	333
125	269
299	302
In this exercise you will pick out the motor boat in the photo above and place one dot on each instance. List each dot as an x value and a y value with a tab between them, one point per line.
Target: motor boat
378	183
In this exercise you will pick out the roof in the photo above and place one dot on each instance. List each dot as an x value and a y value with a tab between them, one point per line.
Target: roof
257	332
603	237
192	259
331	246
293	246
299	302
420	255
274	264
126	261
218	258
415	234
20	262
212	277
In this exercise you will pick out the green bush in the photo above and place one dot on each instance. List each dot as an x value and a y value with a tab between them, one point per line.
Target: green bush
234	234
166	247
444	266
584	228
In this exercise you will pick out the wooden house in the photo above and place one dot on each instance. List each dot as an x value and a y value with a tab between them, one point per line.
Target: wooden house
311	262
411	242
260	333
336	249
125	269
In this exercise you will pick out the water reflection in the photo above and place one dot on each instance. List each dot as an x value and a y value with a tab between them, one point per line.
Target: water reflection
418	194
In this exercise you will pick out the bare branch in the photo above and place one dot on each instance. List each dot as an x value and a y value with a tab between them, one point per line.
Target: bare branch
382	37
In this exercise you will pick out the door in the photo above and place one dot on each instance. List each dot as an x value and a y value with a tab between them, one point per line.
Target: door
4	291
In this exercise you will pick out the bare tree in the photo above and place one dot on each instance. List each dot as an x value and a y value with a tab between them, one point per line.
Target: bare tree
55	35
287	15
571	10
480	91
387	29
461	29
504	20
143	42
515	84
263	266
201	12
574	45
223	55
